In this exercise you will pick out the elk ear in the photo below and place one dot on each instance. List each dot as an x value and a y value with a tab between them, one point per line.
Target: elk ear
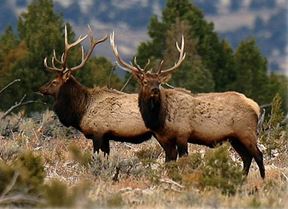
164	78
66	76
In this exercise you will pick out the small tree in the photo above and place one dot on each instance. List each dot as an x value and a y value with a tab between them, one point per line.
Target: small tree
251	72
274	135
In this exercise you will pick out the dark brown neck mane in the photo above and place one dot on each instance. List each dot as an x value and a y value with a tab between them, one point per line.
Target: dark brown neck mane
153	110
71	103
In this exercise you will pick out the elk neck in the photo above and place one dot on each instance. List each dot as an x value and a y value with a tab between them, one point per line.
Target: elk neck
153	110
71	103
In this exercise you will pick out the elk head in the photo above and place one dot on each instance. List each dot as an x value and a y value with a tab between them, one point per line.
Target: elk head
150	81
151	99
59	66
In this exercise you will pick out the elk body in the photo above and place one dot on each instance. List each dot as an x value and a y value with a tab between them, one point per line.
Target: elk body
101	114
177	117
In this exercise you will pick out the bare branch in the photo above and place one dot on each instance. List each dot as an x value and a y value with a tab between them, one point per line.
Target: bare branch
18	104
11	185
110	75
19	198
126	83
9	84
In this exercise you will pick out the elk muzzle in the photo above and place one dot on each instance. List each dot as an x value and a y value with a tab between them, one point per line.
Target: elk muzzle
43	90
155	92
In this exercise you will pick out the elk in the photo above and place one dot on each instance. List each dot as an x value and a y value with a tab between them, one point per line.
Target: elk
177	117
100	113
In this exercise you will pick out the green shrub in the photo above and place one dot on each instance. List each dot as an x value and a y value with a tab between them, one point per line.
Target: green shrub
56	194
115	167
274	137
6	176
32	172
220	171
277	115
82	157
149	153
183	167
24	179
254	202
173	171
115	201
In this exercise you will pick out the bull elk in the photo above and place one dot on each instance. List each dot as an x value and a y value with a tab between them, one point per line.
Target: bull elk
100	113
177	117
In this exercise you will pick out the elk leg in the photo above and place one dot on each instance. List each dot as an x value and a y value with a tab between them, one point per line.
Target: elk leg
105	147
250	142
182	148
244	154
259	160
169	147
97	143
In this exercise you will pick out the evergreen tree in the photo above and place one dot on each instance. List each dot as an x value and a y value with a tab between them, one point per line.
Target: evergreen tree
40	31
211	50
279	85
251	72
192	74
8	44
99	72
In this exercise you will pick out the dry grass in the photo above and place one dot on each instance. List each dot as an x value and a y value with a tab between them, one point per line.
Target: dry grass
134	176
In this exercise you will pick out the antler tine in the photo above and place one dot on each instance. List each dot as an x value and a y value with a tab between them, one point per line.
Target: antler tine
93	43
135	63
121	63
53	62
160	67
92	40
181	58
69	46
147	64
54	55
53	68
62	58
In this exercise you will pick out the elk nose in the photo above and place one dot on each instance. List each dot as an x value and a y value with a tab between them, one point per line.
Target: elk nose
155	91
42	90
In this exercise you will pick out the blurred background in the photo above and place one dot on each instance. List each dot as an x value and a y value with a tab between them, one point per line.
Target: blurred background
266	20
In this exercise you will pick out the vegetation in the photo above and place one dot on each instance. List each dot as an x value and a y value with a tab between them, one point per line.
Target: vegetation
39	165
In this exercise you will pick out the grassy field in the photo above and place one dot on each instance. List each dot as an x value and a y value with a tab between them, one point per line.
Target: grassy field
43	164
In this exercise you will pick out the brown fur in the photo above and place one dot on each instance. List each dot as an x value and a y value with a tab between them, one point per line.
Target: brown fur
206	119
100	114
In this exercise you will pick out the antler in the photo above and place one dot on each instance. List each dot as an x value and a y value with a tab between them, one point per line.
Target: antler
64	56
121	63
137	69
93	43
180	59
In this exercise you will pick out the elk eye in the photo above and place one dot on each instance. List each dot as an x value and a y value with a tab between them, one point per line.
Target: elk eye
145	82
54	83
